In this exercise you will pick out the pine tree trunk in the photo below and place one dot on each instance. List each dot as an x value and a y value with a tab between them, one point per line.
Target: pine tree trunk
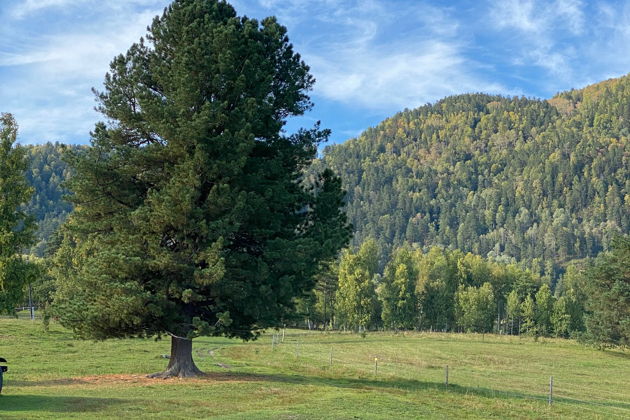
181	363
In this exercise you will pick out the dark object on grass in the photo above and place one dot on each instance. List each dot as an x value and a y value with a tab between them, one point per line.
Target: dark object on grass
2	370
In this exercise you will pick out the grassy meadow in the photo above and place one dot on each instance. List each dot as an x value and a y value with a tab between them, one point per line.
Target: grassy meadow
52	375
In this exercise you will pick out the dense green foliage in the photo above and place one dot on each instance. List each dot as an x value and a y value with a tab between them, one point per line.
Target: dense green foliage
191	215
609	296
447	290
356	304
475	308
397	291
46	173
540	182
16	227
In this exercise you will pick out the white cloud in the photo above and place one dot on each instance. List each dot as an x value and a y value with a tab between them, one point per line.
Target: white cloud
575	42
541	25
51	96
84	55
391	80
516	14
571	12
540	17
24	8
356	52
27	7
609	46
380	57
375	56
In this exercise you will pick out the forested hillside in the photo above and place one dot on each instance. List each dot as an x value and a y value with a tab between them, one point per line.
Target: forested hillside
542	182
47	171
538	181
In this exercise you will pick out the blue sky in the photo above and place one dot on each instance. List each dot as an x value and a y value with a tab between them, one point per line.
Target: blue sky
371	58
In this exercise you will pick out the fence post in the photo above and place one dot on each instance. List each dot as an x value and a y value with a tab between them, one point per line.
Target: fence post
375	366
446	376
30	301
550	390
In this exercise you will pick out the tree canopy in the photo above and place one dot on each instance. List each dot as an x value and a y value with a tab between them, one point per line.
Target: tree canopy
16	227
608	305
193	215
356	303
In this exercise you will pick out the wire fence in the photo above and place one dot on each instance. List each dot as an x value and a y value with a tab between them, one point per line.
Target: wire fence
548	389
24	313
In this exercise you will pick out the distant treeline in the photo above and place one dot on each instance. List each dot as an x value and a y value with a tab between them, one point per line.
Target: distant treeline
449	290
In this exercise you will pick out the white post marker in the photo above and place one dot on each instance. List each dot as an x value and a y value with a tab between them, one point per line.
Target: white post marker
30	301
375	366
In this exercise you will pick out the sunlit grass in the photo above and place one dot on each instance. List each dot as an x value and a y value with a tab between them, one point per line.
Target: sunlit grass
54	376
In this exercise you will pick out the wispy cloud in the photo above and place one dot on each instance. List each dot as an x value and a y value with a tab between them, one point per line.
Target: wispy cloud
382	57
24	8
576	42
27	7
541	26
370	57
392	80
610	47
53	72
80	54
540	17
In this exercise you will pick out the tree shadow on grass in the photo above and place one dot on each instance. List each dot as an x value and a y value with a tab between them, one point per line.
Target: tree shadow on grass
46	382
56	404
623	354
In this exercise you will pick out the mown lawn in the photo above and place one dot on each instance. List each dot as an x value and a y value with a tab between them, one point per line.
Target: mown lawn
54	376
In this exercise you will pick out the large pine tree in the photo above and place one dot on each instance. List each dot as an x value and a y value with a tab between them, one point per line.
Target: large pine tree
16	228
192	216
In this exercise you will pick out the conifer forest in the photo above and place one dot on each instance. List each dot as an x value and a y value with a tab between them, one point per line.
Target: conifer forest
332	210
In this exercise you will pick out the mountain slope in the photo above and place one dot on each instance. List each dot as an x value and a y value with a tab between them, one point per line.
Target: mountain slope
542	182
46	173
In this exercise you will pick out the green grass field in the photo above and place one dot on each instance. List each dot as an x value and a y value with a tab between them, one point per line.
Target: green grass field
51	375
